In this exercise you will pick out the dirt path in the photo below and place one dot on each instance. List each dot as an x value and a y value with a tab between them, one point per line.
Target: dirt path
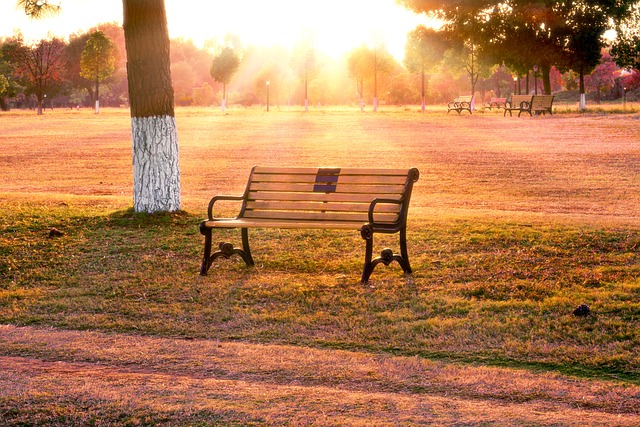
91	376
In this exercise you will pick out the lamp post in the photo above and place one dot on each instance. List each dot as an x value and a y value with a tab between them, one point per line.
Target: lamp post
535	79
515	85
267	95
624	98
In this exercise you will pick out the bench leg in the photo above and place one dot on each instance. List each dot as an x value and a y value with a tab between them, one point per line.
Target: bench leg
368	267
226	250
386	256
403	251
206	259
248	259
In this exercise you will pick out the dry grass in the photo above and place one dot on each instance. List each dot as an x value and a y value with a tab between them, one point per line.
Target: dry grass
88	377
513	223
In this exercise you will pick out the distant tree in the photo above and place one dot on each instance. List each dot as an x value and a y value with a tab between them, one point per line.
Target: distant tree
602	77
367	64
424	50
383	64
73	55
501	81
360	67
42	67
204	95
9	77
223	67
97	62
529	32
183	79
199	59
305	65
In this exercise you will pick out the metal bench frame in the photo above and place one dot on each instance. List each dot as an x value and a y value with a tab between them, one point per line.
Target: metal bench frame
369	200
461	103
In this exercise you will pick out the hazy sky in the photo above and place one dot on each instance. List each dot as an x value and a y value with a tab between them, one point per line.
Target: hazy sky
337	25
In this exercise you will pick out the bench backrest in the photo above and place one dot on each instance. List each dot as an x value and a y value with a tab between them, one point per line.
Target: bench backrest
516	100
542	101
327	194
465	98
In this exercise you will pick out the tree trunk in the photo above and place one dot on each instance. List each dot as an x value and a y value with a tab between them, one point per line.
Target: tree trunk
224	95
156	173
546	79
97	96
423	102
583	98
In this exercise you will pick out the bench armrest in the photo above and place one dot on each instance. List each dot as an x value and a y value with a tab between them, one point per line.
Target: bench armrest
216	198
372	208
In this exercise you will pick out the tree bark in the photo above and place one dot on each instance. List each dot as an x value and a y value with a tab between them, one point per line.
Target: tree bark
156	172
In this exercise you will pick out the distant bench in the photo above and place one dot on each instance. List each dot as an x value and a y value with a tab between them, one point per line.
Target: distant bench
461	103
495	103
368	200
529	104
542	104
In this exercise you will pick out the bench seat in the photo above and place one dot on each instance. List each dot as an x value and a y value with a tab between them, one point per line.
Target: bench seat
368	200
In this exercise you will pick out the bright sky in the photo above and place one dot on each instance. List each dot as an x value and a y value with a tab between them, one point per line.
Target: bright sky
337	25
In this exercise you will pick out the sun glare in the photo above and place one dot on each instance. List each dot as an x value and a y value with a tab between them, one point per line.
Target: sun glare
336	26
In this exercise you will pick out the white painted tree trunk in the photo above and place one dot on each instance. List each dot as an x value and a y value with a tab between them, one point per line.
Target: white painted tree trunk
583	102
156	173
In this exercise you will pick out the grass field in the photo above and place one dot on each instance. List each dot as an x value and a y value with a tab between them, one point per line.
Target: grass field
513	223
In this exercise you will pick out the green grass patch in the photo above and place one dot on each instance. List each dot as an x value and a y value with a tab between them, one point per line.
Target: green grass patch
491	292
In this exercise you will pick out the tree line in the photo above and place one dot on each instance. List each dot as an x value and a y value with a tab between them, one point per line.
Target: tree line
437	66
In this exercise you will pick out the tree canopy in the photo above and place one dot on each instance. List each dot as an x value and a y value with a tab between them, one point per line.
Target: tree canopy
223	67
523	33
97	62
626	47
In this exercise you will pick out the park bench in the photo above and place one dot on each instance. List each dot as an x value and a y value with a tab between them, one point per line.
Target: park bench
518	103
369	200
542	104
495	103
464	102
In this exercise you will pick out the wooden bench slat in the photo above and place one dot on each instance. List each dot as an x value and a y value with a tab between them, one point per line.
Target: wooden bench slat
320	206
312	216
343	171
270	223
318	197
342	179
339	188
